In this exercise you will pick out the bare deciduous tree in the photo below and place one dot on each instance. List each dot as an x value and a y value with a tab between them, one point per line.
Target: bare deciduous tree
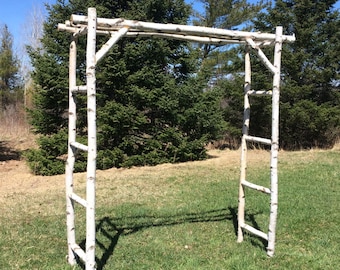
32	31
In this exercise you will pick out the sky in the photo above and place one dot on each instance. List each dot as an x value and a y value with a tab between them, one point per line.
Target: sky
16	13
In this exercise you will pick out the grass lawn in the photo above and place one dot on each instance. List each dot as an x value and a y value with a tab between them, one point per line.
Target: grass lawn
183	216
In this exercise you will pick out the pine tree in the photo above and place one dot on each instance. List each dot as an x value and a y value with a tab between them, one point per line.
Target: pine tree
150	107
221	66
225	14
9	67
310	101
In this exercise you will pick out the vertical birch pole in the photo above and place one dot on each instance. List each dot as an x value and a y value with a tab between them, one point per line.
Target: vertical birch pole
71	237
92	139
245	131
275	143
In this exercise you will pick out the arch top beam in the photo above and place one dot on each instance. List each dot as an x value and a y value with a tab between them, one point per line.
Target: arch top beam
175	31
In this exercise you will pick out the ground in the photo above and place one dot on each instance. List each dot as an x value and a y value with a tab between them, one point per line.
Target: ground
15	176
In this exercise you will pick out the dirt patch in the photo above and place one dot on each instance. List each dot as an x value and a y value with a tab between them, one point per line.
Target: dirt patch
15	176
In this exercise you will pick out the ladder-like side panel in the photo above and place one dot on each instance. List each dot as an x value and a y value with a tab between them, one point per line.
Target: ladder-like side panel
275	68
88	254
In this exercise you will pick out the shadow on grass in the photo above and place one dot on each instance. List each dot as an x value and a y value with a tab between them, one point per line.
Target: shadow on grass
113	228
255	240
7	153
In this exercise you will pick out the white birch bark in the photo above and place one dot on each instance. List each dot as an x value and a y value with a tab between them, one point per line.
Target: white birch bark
117	23
261	55
245	131
255	231
71	238
113	40
275	143
82	30
92	139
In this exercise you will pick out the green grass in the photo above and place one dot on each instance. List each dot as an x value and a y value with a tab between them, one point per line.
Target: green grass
184	217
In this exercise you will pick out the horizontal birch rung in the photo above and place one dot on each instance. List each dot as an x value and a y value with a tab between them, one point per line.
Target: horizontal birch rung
79	89
255	231
257	139
79	251
255	187
260	93
78	199
79	146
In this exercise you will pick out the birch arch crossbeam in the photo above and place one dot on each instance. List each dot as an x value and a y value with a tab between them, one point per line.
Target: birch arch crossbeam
118	28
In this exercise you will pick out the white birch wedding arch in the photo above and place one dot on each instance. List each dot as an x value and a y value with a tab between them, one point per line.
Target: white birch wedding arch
116	29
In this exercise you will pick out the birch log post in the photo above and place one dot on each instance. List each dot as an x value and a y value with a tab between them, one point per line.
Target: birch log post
71	237
245	131
92	139
275	143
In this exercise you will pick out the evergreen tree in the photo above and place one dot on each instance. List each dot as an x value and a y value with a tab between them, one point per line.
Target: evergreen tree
221	66
9	66
224	14
310	113
150	107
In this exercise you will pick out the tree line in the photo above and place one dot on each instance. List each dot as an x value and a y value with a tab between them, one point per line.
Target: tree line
165	100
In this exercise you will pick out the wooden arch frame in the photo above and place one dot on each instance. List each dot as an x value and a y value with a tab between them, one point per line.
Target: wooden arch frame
118	28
